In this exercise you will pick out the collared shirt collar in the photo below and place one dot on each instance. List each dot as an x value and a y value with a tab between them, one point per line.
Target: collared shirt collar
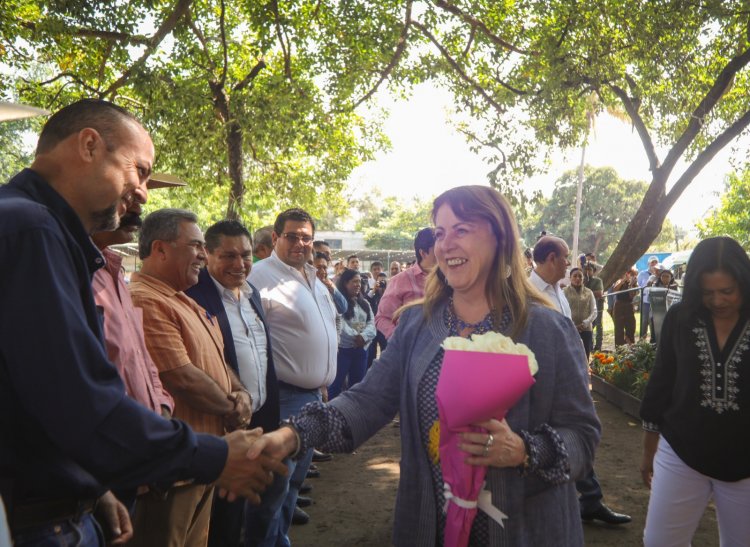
156	284
309	270
245	288
41	191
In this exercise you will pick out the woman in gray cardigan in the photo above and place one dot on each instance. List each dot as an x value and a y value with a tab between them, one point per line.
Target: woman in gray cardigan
546	441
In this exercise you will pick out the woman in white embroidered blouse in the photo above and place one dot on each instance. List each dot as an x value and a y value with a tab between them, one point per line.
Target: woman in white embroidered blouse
696	409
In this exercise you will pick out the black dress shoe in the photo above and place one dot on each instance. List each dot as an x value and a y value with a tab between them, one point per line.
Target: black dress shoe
300	517
313	474
605	514
304	501
306	488
319	456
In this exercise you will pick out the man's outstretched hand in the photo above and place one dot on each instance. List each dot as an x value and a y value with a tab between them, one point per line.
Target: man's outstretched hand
248	471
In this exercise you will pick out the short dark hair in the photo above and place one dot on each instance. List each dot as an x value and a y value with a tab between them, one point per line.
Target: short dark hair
376	263
105	117
321	255
576	269
546	245
295	214
424	241
229	228
713	255
262	236
319	242
348	258
164	225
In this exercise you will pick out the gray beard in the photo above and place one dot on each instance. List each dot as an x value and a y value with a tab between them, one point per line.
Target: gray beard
105	220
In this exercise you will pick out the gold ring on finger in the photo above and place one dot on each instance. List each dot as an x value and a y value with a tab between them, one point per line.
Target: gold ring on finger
490	440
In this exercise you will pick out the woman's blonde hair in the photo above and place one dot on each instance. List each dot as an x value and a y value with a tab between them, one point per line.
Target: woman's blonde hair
470	203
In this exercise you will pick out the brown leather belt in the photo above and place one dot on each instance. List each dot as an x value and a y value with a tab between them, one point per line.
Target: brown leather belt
36	514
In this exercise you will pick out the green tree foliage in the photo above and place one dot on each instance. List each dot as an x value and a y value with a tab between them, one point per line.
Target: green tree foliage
608	203
525	72
250	102
14	154
732	216
391	223
281	82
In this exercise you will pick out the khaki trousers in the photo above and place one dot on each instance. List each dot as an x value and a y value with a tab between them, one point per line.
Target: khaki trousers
180	520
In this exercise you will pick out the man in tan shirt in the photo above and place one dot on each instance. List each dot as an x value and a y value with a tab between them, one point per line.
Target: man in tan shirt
186	344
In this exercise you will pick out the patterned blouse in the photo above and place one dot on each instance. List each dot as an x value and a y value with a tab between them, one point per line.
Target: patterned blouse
698	396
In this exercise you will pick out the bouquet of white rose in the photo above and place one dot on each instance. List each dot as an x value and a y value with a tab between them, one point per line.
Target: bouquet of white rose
481	378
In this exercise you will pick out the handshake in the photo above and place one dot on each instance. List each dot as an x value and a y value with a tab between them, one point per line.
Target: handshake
252	460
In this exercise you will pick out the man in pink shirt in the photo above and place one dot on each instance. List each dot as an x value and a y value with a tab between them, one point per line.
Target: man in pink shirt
123	322
409	284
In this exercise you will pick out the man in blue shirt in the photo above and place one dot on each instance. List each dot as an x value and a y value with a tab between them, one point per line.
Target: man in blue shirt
68	433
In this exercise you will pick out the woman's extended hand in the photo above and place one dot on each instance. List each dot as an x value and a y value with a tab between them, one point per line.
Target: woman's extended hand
499	447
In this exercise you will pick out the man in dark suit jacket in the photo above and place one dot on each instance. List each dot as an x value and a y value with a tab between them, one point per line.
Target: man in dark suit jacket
227	296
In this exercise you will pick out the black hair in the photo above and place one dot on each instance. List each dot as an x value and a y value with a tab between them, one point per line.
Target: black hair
105	117
322	255
424	241
715	254
343	279
296	215
229	228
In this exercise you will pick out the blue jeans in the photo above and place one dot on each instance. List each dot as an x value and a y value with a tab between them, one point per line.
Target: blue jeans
351	363
284	490
68	533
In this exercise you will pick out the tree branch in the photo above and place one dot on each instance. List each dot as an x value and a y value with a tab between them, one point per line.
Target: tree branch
465	77
286	47
223	33
703	158
202	40
73	77
640	127
395	58
722	82
476	23
166	27
134	39
242	84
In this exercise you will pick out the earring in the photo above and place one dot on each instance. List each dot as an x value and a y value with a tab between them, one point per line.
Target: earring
507	272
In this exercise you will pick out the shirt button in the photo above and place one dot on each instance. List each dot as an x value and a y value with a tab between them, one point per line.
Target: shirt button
718	364
718	375
718	389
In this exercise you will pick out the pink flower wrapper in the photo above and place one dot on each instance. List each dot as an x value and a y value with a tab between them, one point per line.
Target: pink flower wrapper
473	387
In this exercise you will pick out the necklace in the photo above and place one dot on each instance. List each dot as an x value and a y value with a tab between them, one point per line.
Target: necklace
456	325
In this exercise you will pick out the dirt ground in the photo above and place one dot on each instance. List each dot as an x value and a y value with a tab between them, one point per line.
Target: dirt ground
355	495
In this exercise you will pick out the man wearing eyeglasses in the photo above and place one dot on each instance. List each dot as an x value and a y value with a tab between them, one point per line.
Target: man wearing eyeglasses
302	322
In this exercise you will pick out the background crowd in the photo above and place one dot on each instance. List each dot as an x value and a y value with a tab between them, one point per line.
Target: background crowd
186	406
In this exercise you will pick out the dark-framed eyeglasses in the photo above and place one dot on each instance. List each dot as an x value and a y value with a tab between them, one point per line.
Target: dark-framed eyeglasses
293	238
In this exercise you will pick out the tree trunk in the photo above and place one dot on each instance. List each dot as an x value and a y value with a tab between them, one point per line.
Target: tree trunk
234	137
234	152
641	231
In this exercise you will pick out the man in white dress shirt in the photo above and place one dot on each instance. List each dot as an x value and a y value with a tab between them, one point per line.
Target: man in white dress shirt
551	256
302	322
